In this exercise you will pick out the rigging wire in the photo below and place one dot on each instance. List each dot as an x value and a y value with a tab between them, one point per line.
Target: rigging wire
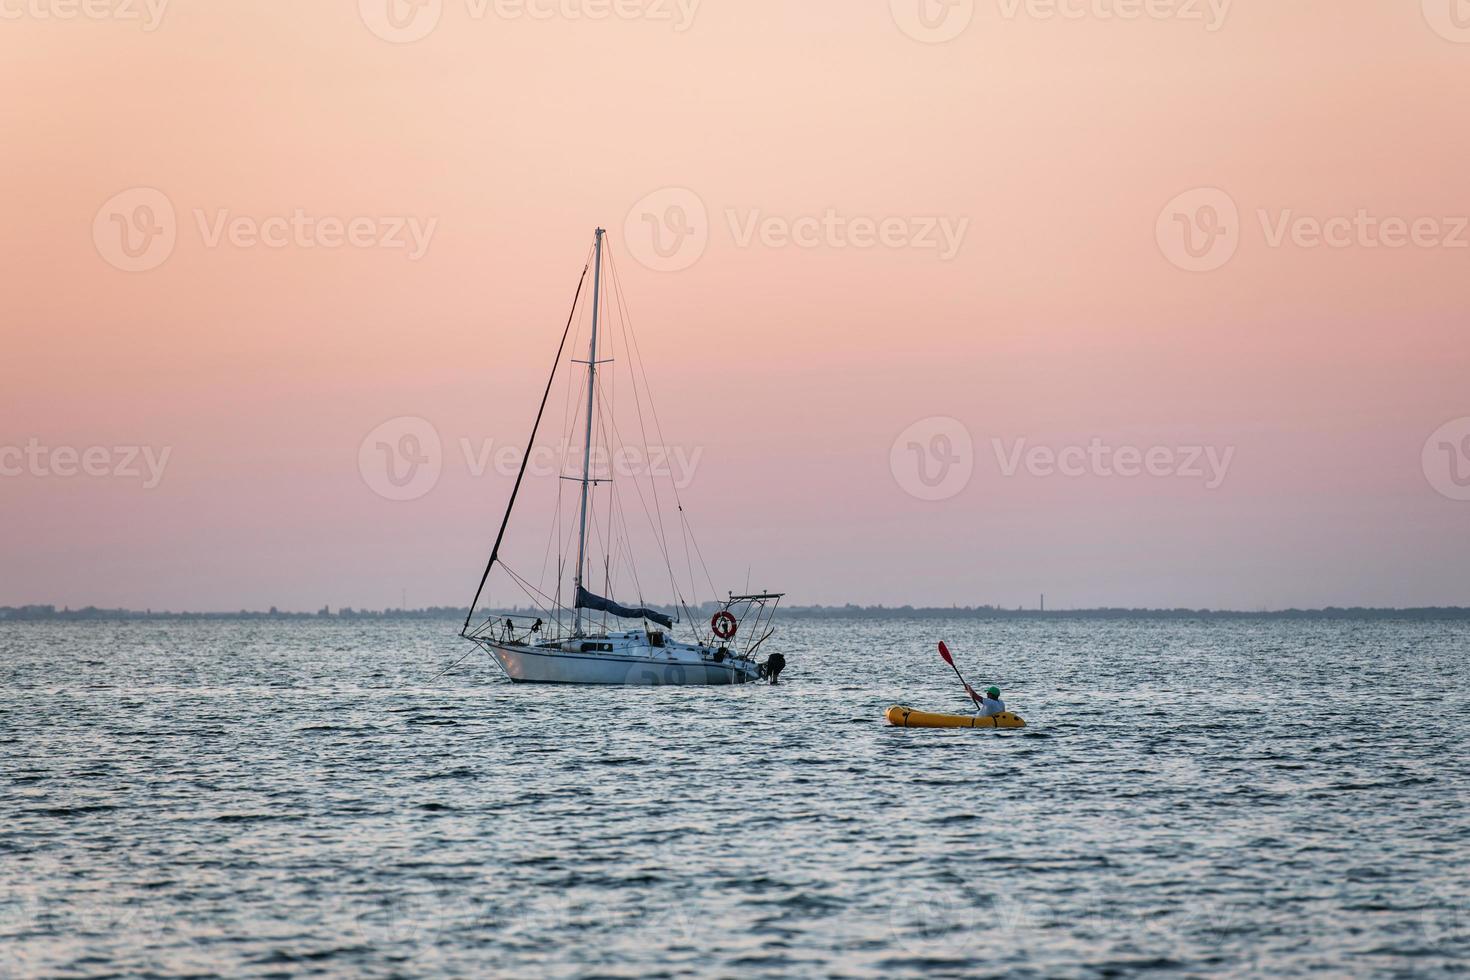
527	588
505	522
635	355
553	527
630	347
560	462
653	525
627	554
617	517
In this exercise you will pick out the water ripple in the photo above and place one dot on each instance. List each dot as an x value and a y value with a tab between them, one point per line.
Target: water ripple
1191	798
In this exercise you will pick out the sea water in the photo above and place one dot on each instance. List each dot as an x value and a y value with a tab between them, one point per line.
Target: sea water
282	797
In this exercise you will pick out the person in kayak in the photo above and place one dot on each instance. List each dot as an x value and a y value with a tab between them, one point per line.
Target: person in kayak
990	703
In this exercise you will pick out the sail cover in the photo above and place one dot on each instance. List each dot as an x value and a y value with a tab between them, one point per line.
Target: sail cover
586	600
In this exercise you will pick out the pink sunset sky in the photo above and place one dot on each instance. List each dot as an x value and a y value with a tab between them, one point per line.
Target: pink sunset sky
242	236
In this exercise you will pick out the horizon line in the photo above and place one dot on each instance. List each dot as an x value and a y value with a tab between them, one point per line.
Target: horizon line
44	611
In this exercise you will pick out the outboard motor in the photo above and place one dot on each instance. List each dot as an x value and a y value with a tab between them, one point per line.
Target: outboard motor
773	666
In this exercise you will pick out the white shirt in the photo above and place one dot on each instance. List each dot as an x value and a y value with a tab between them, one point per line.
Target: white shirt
991	706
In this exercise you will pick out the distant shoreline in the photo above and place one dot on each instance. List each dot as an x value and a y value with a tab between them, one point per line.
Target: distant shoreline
47	613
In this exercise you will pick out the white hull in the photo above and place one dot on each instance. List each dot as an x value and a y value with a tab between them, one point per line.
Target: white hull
631	664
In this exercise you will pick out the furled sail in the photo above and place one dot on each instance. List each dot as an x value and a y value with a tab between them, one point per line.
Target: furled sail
586	600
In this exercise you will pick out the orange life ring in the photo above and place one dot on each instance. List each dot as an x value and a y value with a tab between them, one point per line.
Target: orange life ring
723	624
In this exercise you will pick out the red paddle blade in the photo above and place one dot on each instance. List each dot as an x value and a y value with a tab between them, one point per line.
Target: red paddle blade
944	652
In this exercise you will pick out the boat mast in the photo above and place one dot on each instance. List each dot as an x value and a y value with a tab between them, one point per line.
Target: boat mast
587	446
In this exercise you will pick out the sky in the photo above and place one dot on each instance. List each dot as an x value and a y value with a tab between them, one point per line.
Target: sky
1129	303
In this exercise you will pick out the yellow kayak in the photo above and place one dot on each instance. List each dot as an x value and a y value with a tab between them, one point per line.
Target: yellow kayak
909	718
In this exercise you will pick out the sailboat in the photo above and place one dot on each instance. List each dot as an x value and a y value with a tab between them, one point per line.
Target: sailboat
594	639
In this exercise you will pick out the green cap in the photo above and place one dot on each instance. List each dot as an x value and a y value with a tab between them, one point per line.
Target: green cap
993	691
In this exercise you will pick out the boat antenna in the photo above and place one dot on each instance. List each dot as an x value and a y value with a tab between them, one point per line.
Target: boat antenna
526	457
591	420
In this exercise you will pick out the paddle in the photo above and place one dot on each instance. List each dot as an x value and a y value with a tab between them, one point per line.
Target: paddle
944	652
